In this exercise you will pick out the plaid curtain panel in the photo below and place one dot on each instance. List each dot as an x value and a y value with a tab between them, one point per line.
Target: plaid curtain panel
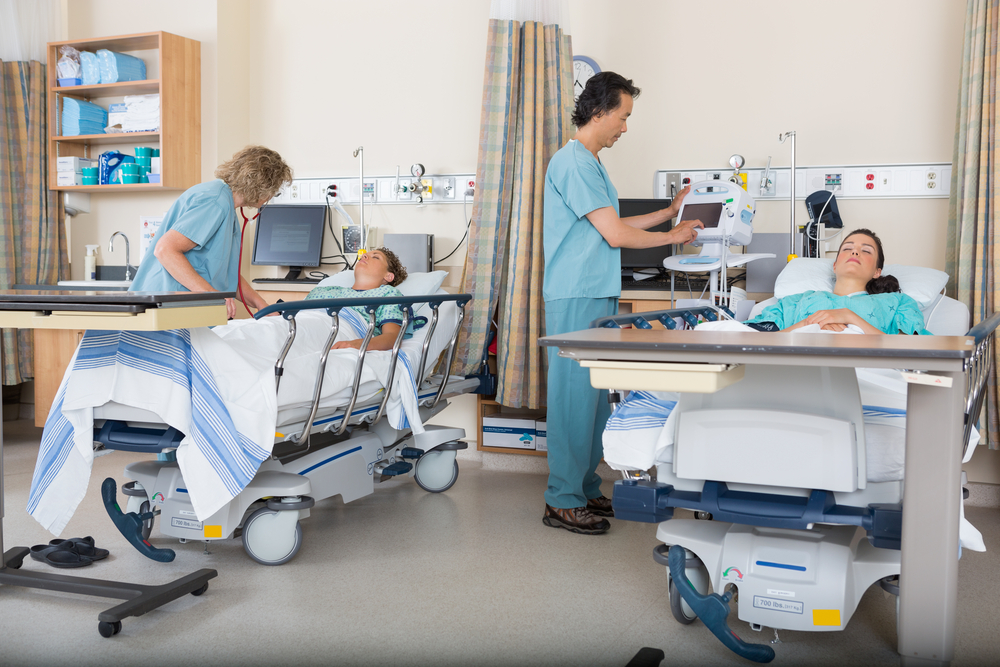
972	260
33	245
527	104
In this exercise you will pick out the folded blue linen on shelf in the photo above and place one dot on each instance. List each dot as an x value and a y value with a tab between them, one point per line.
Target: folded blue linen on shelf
90	68
80	117
117	67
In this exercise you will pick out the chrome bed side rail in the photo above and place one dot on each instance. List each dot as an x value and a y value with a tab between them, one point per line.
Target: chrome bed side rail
333	307
977	370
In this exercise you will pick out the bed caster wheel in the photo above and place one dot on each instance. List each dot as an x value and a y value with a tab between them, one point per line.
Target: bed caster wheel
200	591
677	605
436	471
109	629
272	538
703	516
697	574
140	505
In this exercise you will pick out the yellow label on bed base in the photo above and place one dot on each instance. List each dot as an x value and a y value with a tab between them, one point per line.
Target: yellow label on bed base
826	617
213	531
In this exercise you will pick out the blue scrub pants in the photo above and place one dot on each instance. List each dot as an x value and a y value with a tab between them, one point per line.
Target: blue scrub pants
576	412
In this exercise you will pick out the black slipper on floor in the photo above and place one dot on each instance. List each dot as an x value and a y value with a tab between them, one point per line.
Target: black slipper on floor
83	546
59	556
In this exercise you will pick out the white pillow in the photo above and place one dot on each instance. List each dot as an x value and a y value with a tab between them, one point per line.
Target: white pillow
804	274
416	284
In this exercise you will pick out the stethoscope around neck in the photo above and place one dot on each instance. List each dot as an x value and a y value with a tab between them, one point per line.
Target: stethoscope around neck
239	266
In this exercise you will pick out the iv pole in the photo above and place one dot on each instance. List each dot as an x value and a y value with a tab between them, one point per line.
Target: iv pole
791	200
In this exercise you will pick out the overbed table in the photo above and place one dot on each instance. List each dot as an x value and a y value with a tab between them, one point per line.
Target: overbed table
928	592
120	311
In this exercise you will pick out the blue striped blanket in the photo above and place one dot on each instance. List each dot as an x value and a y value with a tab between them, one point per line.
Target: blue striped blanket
216	386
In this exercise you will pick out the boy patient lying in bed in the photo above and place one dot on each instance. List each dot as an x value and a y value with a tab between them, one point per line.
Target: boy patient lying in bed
376	274
861	296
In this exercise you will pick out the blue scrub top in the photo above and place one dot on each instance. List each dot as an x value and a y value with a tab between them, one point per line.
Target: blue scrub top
579	263
205	214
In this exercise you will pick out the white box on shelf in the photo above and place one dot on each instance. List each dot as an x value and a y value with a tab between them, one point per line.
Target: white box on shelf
540	444
73	164
505	431
154	165
69	178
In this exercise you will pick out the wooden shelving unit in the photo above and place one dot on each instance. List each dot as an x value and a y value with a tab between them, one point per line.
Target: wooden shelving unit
178	60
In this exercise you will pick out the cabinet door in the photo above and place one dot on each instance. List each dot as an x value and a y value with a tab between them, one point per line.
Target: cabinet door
53	350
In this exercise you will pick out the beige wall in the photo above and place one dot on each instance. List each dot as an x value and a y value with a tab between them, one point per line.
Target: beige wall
730	80
859	81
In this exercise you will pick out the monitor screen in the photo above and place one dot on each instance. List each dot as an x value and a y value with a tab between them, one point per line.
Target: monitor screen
709	214
289	235
644	258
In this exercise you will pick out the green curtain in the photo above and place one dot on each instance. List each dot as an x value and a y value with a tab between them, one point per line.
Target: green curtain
33	246
972	260
527	104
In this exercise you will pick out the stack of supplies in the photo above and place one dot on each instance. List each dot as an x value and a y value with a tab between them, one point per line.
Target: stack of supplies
117	67
70	170
79	117
90	68
142	113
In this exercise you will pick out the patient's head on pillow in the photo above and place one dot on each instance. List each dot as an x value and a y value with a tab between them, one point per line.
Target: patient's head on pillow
861	257
377	267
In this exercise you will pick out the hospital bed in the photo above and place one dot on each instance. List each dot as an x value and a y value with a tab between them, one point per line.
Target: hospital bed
771	450
332	433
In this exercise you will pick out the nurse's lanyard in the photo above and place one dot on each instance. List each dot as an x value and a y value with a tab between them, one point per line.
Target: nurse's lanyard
239	282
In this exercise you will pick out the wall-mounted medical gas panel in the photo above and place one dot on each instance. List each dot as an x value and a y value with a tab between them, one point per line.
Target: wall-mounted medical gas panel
883	181
428	189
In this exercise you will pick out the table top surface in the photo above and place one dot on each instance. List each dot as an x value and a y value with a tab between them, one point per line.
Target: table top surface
16	299
606	341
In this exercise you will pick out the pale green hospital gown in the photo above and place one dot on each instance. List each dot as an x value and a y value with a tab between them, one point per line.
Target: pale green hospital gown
891	313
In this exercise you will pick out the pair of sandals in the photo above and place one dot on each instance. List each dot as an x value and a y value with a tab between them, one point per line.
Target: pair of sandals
74	552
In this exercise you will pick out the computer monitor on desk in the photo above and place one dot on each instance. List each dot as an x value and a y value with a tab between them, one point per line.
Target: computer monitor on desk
644	260
289	235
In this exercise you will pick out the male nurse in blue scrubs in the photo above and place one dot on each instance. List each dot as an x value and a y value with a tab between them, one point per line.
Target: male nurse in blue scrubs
582	234
197	248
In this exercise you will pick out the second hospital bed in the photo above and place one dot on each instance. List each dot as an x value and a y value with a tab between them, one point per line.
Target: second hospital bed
264	419
774	456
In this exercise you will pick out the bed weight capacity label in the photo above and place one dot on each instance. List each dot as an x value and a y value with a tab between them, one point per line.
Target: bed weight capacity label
777	605
177	522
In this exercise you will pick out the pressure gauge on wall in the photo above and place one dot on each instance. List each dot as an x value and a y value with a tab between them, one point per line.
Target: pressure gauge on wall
417	170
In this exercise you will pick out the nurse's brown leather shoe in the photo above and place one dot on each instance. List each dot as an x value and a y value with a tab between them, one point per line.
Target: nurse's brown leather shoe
576	520
601	506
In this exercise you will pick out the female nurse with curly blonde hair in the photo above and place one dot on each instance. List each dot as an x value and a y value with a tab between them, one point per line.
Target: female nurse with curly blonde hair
198	246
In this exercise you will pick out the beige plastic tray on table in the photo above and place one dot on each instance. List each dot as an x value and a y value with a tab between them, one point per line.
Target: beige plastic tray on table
153	319
661	376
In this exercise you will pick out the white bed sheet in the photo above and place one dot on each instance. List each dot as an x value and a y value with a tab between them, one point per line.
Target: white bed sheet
234	367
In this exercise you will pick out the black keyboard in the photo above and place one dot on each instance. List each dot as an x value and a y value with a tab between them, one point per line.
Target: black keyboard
648	284
297	281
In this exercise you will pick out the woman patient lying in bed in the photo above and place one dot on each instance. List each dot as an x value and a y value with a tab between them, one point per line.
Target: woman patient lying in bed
861	296
376	274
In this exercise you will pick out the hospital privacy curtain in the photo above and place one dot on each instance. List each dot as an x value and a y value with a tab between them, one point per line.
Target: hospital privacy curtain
33	245
527	104
972	260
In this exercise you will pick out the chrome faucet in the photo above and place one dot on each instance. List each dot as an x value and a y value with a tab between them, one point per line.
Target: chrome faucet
129	271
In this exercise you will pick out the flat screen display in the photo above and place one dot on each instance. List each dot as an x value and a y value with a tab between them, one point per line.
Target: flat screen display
709	214
644	258
289	235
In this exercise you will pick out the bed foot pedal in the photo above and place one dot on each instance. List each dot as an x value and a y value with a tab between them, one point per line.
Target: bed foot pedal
397	468
411	453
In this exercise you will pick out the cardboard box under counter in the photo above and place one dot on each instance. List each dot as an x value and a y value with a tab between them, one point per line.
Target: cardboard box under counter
512	432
